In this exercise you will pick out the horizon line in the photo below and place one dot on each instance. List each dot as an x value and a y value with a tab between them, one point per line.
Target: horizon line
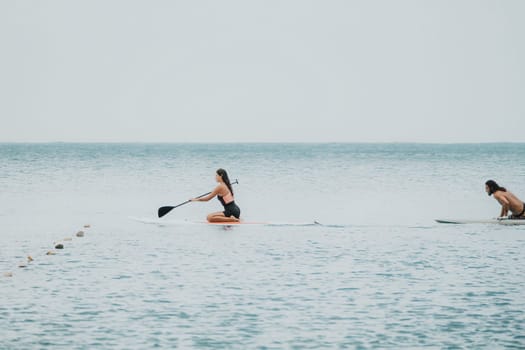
266	142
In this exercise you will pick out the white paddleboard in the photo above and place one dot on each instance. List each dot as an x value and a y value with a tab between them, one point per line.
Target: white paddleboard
164	222
489	221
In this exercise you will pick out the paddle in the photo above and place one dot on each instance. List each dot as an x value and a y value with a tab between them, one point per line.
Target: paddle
165	210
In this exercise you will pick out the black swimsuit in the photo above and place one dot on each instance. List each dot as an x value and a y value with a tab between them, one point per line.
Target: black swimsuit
230	209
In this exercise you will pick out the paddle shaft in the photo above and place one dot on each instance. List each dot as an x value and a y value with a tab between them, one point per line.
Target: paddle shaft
189	200
165	210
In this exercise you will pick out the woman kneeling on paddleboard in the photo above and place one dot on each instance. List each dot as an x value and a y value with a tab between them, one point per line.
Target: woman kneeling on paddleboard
224	193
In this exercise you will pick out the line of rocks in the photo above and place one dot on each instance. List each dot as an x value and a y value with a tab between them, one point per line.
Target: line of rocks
57	246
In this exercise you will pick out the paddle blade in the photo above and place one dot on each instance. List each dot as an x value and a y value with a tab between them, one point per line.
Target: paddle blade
164	210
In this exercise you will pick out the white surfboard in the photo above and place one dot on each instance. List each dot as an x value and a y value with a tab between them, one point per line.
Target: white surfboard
489	221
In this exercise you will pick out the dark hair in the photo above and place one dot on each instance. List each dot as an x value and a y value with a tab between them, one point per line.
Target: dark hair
493	187
224	175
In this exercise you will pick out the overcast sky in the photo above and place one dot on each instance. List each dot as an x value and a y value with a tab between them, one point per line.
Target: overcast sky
271	71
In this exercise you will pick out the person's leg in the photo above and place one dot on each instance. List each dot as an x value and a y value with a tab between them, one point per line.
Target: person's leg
220	217
520	215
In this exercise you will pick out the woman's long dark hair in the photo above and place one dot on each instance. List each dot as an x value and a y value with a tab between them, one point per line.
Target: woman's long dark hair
493	187
224	175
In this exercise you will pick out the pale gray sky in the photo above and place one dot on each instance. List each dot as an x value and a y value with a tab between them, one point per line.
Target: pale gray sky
220	71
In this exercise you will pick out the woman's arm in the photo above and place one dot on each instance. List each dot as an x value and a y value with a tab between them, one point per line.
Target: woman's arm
208	197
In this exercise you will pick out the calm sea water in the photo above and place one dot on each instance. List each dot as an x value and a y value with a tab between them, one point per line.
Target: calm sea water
379	273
